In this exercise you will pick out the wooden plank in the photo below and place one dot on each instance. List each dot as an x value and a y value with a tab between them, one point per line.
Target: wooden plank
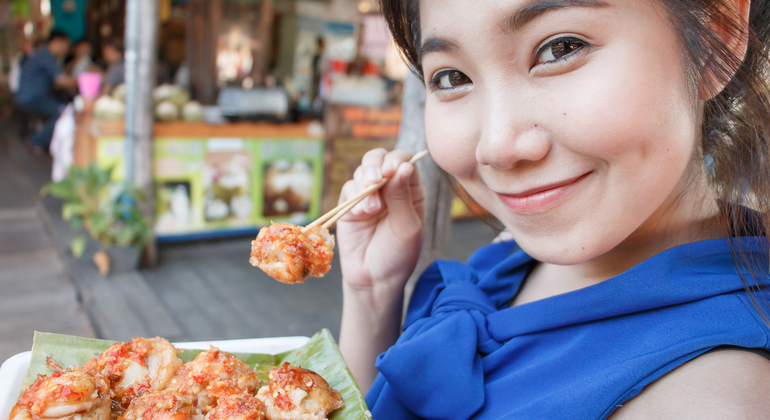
47	310
261	313
12	262
146	305
37	277
169	281
284	309
10	346
58	319
13	303
14	344
16	215
216	302
111	315
22	237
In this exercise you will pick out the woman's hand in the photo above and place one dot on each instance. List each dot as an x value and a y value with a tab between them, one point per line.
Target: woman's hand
380	239
379	244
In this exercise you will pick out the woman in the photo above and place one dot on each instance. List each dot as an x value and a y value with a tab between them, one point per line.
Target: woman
618	141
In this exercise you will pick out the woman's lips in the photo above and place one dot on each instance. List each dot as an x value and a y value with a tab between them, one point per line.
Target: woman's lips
540	199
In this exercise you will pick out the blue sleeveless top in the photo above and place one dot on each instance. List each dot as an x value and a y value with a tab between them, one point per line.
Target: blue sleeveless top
465	353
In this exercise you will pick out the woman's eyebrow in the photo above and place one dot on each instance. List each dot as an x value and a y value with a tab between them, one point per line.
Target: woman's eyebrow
434	44
537	8
514	23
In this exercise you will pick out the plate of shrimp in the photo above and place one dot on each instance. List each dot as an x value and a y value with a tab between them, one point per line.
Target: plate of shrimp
152	379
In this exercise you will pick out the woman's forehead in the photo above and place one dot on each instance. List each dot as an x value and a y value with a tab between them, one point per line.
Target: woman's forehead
508	15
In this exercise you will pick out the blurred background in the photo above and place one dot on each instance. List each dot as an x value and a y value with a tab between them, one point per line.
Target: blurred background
214	118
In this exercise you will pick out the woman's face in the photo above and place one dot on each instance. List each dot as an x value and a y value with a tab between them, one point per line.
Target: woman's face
569	120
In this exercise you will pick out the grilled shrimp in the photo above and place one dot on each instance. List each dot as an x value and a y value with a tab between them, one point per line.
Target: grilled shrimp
138	366
286	254
294	393
76	393
211	374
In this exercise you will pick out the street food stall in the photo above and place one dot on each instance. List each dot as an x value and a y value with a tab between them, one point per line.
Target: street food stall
270	112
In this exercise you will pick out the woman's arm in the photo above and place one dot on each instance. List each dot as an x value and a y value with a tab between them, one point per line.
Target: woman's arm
370	325
379	244
724	385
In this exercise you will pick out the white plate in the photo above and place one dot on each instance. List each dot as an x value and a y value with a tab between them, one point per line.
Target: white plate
14	370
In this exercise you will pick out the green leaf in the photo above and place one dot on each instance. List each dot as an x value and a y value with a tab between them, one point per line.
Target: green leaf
68	210
78	245
63	189
108	210
98	223
320	354
76	223
126	235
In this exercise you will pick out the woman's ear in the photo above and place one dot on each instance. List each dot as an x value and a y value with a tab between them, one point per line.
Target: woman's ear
731	29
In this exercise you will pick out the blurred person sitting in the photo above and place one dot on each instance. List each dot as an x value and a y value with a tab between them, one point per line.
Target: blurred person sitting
81	61
112	54
40	74
14	76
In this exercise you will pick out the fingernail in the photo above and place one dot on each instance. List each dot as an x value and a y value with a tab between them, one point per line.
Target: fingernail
372	202
370	176
402	177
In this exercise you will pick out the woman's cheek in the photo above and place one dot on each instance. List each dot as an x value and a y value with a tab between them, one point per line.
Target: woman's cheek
452	138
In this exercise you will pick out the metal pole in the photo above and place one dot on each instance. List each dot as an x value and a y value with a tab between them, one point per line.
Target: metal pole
131	55
141	46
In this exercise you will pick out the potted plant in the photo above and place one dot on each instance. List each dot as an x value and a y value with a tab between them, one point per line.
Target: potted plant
108	211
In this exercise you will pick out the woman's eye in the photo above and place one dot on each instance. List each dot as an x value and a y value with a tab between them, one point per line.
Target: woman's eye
449	79
558	49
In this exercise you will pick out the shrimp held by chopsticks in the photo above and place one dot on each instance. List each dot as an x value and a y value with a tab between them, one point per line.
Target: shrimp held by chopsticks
287	254
291	254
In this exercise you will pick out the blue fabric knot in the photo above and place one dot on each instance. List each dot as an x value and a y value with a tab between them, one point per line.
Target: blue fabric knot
436	355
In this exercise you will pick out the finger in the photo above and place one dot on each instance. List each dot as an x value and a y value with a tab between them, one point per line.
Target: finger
417	192
358	182
370	166
398	199
349	190
392	160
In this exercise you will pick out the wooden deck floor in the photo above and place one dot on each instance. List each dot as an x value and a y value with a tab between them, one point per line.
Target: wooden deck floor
35	290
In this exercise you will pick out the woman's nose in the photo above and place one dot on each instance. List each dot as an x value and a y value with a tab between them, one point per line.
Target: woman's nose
509	135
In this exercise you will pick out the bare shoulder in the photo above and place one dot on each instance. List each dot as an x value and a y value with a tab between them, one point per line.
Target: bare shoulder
725	385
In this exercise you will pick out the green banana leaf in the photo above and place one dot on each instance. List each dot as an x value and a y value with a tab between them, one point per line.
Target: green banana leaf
320	354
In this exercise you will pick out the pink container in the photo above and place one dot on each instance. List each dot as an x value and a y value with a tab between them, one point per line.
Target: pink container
89	84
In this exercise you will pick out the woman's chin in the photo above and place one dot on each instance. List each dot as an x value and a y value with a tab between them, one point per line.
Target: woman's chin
561	251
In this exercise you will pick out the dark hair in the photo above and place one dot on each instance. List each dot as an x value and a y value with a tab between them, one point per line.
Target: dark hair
58	34
115	44
735	138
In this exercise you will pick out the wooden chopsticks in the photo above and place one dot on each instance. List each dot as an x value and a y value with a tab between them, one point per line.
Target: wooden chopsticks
336	213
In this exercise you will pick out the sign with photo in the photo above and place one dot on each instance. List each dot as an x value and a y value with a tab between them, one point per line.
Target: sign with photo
289	182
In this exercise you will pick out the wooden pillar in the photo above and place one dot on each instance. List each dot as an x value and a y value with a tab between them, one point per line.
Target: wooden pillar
140	57
438	190
204	23
265	37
